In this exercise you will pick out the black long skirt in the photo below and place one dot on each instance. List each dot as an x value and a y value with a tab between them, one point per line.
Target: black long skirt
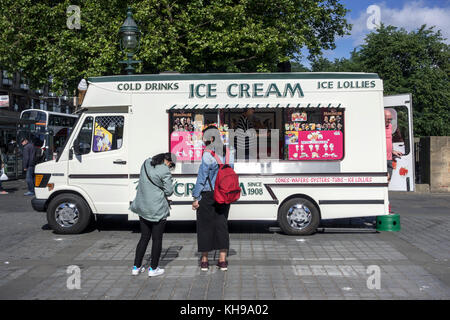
212	224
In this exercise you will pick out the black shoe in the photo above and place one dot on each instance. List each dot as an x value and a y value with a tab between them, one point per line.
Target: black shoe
204	265
222	265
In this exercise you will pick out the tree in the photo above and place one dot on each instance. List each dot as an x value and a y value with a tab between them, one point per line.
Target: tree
321	64
178	35
416	62
298	67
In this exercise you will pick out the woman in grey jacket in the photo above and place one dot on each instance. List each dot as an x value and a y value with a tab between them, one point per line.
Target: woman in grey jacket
151	204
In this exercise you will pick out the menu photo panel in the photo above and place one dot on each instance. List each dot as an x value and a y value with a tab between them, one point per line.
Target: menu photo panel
314	134
186	133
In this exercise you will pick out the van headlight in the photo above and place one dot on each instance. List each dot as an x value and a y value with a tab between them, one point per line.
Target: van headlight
41	180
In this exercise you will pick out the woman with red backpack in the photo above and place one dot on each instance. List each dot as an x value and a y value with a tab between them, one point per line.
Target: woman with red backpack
213	193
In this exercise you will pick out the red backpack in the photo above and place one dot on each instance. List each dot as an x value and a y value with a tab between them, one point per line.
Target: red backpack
226	188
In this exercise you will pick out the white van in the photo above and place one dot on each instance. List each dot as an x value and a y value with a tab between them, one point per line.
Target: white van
325	159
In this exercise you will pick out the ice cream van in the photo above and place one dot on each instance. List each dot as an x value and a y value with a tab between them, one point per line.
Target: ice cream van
321	148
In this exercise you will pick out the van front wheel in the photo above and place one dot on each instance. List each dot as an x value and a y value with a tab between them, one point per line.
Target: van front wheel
68	214
298	216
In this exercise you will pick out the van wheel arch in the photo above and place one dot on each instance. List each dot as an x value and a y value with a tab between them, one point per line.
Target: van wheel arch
300	195
57	193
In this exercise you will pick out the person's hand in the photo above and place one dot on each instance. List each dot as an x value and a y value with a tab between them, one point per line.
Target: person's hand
195	205
397	154
25	169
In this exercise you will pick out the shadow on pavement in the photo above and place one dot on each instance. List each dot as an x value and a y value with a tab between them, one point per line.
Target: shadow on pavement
121	223
357	223
117	223
172	253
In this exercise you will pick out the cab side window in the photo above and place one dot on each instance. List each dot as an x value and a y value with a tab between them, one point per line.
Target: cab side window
108	133
85	136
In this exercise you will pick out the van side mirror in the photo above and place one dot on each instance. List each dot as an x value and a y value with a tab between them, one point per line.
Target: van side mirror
76	146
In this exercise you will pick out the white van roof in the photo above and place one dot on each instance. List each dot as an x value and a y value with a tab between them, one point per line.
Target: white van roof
237	76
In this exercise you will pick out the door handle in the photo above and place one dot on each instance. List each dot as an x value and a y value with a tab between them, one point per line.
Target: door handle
119	162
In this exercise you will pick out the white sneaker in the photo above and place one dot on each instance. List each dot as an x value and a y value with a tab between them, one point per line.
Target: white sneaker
135	271
156	272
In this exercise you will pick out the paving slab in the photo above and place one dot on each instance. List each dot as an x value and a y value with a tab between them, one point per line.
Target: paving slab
263	265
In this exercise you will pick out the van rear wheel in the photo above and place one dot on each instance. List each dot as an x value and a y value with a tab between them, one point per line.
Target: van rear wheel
298	216
68	214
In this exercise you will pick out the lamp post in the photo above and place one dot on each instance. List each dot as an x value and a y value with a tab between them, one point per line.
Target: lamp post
51	94
130	37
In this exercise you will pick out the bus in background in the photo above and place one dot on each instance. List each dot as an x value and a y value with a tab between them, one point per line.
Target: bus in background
48	130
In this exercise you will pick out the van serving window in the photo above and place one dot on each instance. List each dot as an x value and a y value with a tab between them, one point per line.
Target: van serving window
305	131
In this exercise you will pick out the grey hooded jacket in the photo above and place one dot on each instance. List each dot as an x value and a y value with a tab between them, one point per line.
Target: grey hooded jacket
150	202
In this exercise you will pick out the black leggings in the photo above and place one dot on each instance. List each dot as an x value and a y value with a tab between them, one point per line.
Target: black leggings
149	230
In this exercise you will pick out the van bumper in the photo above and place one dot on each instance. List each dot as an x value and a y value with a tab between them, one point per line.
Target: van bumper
38	204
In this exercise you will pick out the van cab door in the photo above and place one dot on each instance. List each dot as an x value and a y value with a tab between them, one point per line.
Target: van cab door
98	163
402	140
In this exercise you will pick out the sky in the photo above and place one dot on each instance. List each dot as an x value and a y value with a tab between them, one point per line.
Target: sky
400	13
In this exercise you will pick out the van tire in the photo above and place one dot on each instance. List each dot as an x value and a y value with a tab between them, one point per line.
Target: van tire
75	214
311	224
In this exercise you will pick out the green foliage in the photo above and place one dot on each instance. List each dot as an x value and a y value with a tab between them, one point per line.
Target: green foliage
177	35
338	65
298	67
416	62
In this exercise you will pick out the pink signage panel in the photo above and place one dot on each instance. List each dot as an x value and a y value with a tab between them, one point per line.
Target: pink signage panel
186	145
317	145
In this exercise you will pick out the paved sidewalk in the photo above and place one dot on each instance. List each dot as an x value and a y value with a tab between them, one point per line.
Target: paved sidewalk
263	264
